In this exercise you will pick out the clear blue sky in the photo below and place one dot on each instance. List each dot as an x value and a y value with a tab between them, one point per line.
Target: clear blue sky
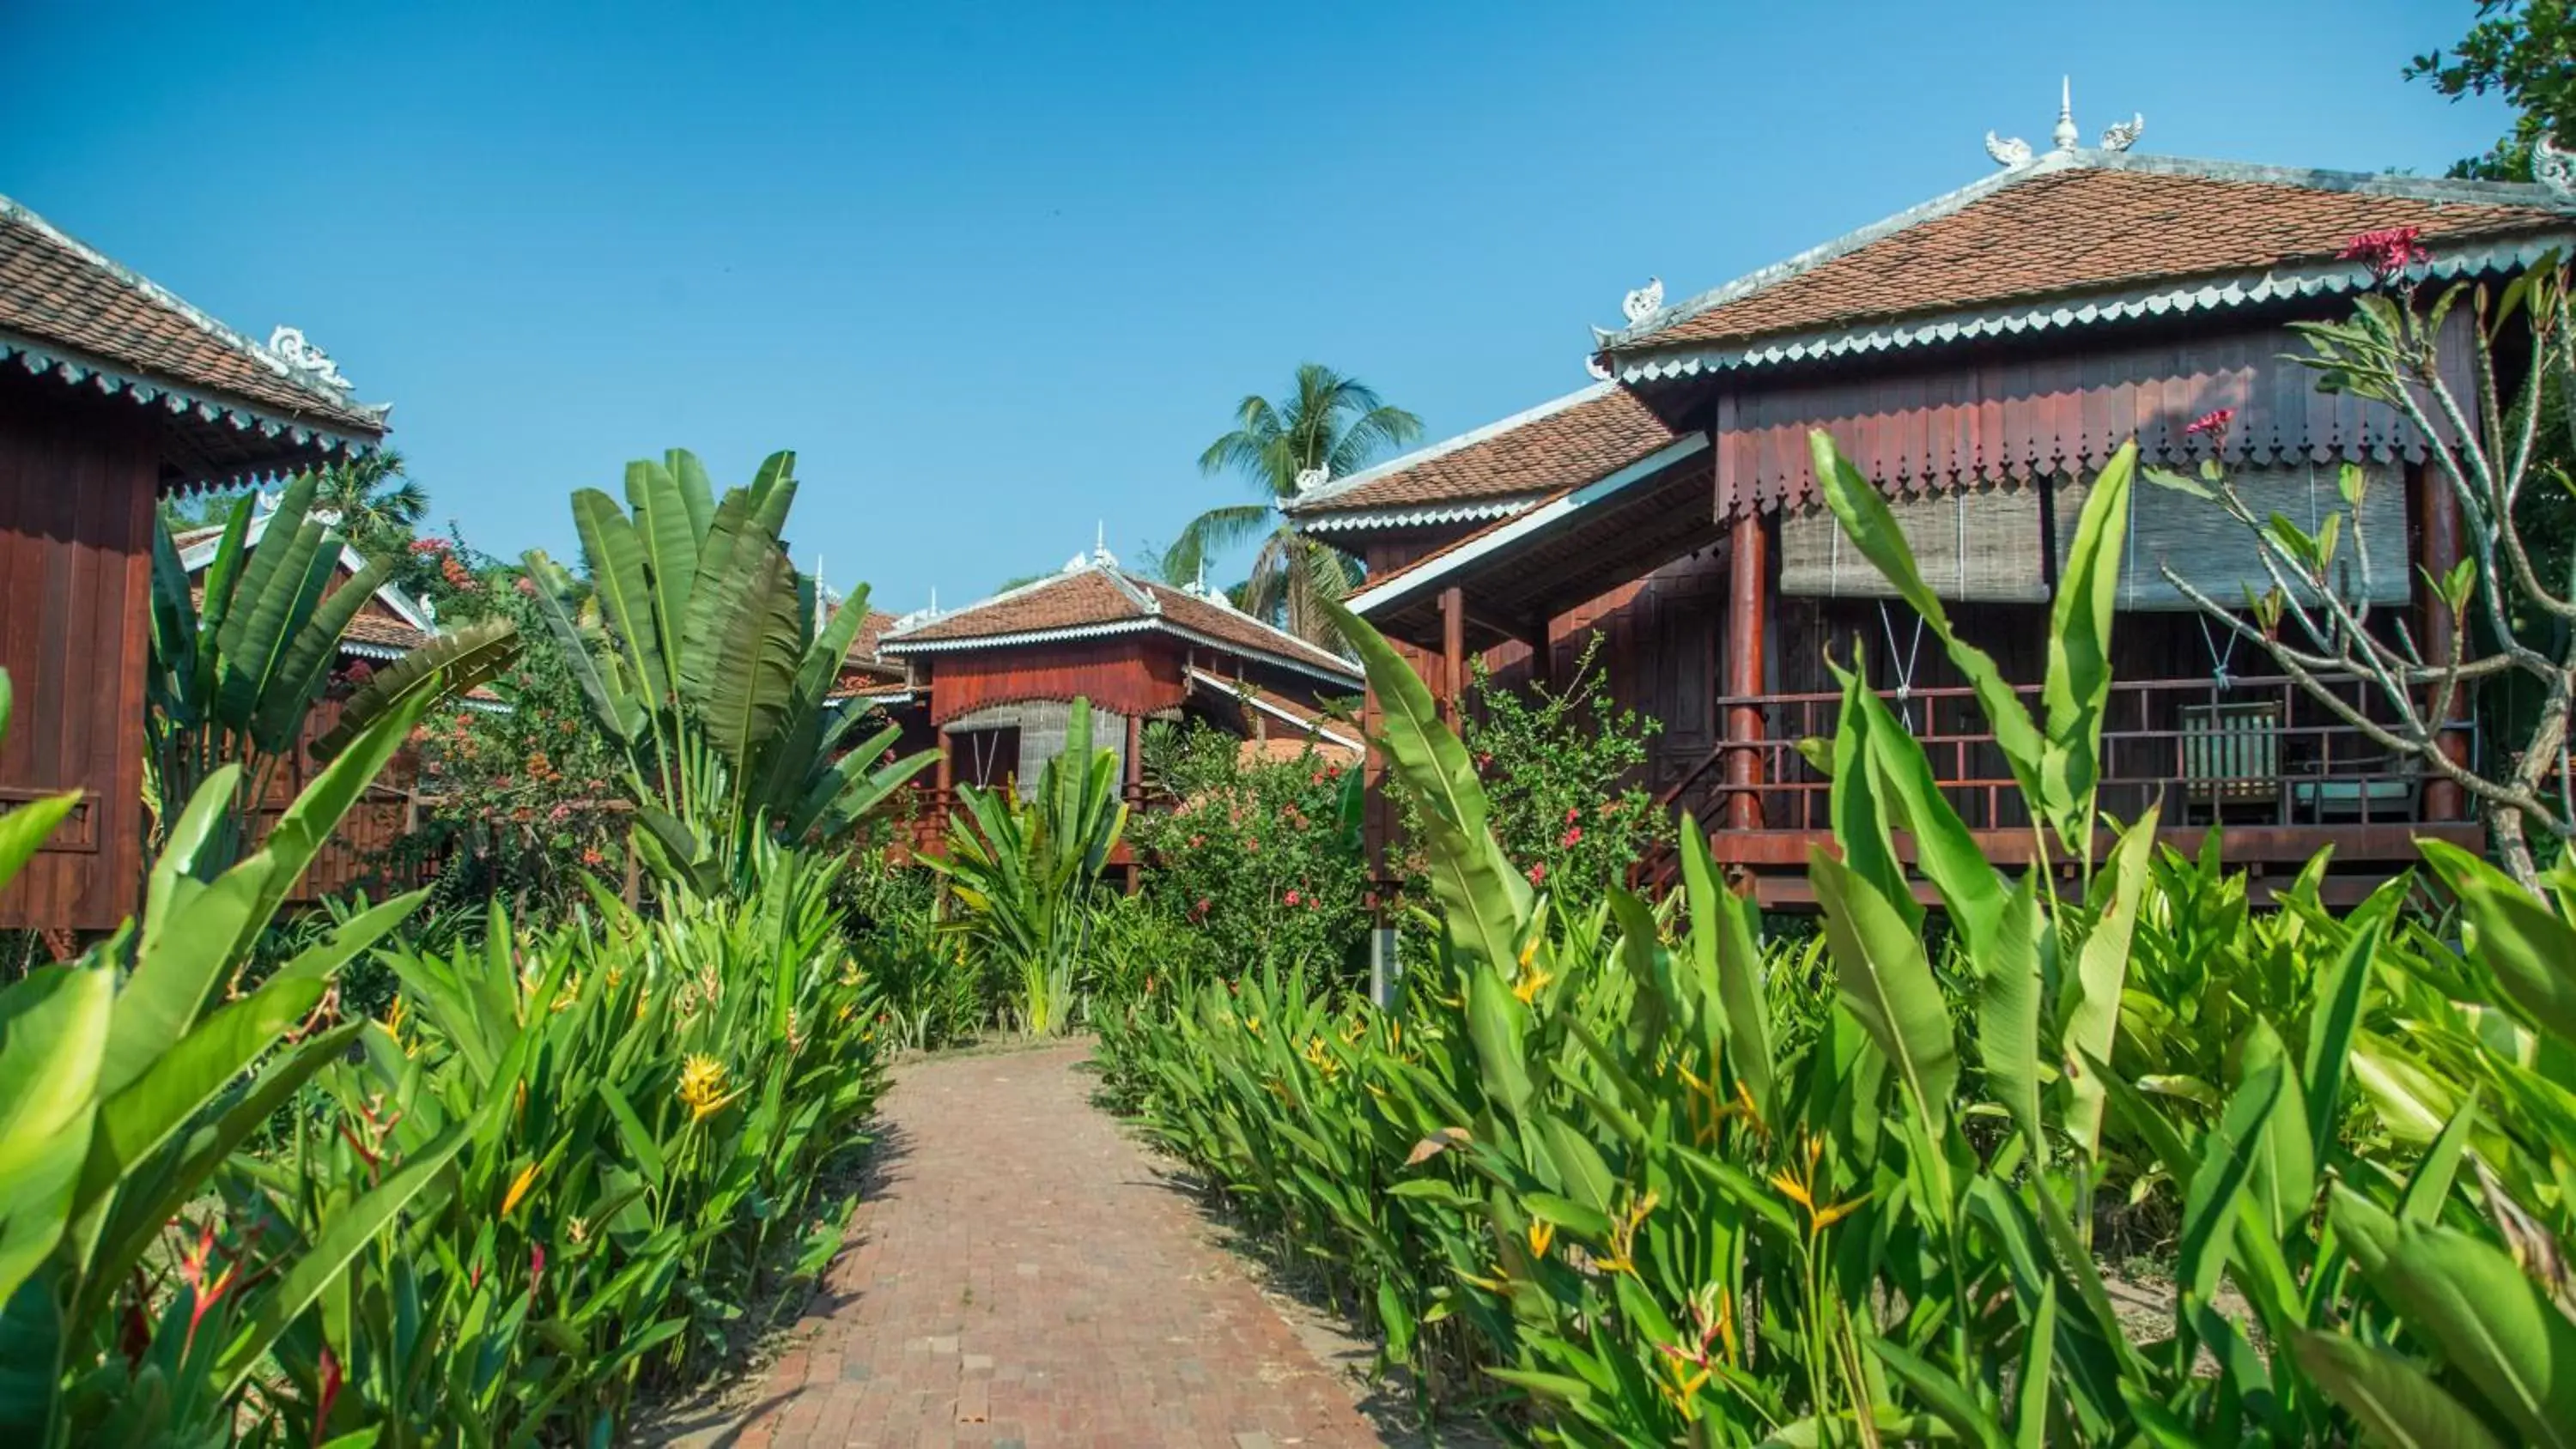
997	272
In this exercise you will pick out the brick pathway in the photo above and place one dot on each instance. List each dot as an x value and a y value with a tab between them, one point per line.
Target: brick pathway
1020	1276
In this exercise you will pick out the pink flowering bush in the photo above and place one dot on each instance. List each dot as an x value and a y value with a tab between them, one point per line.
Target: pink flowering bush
1261	858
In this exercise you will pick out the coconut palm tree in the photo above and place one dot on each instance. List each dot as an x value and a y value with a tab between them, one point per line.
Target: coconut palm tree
1329	423
377	503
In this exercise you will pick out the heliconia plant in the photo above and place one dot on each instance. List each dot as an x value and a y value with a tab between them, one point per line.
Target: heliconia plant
709	659
1618	1167
127	1080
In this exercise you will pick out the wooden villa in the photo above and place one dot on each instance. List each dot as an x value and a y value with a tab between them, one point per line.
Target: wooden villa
1978	357
114	394
995	680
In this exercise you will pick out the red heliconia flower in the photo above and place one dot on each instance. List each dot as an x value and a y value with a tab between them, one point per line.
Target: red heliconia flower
2214	424
2387	252
204	1293
330	1394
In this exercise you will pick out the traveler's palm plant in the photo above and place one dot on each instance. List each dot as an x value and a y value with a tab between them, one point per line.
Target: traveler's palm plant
234	676
1022	873
700	652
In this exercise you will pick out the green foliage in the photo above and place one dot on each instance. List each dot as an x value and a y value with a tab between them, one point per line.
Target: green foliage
704	657
1560	769
2525	52
521	801
664	1097
1331	422
233	677
126	1080
1022	873
1260	856
1578	1168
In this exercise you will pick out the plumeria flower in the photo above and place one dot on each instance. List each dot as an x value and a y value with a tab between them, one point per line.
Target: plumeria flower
2388	252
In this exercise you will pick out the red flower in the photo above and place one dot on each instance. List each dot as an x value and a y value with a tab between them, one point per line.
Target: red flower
2214	423
1573	837
1252	845
1538	873
2389	252
1573	813
590	856
1485	761
330	1392
204	1293
536	1267
1289	899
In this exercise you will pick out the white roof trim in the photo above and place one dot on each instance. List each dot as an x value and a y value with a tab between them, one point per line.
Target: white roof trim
1314	727
2242	289
1360	519
2488	193
75	367
1407	584
1160	623
897	642
1307	501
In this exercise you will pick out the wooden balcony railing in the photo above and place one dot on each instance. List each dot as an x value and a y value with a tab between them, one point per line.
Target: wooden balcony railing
2259	758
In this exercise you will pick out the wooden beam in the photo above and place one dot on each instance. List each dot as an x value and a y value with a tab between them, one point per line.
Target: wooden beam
1453	651
2437	531
1748	567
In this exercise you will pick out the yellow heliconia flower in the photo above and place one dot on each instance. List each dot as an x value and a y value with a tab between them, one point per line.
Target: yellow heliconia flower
702	1083
1800	1188
518	1188
1541	1234
1623	1235
1533	981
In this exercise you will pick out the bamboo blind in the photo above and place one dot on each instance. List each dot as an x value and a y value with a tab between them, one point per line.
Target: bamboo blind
1978	544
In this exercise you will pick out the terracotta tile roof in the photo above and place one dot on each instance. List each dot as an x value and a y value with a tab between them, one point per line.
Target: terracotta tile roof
864	652
1304	720
384	633
55	290
2094	222
1099	597
1565	443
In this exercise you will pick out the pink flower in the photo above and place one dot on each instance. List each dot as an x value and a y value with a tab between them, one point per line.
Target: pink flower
559	814
1573	813
536	1267
2214	424
2389	252
1290	898
1573	837
1538	873
427	546
527	586
1316	778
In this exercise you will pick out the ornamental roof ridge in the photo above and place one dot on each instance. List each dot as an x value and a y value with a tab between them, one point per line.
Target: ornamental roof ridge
912	626
1329	491
214	327
2524	195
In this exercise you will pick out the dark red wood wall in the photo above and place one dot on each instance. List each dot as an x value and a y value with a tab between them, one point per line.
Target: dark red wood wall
77	487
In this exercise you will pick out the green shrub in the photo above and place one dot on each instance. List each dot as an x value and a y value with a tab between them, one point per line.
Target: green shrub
1260	856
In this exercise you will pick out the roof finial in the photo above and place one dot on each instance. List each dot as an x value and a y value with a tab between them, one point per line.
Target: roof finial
2065	134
